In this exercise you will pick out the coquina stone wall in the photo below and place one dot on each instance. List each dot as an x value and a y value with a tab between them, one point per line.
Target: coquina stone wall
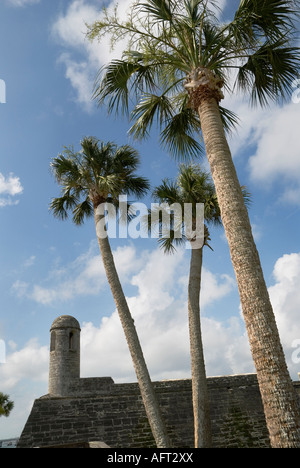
97	409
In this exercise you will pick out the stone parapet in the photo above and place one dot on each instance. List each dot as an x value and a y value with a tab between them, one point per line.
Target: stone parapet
114	413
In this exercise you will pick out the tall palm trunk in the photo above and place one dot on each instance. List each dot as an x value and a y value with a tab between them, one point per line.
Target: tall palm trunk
278	395
201	406
143	377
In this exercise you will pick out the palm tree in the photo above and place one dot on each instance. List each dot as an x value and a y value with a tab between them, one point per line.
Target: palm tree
90	180
6	406
178	59
193	187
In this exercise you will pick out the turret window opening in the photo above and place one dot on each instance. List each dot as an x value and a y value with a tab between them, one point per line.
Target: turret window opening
71	341
52	341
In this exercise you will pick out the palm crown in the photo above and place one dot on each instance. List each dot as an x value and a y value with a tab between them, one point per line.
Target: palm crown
171	43
192	186
6	406
99	173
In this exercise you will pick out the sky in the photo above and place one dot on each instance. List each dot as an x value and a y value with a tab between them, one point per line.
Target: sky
50	268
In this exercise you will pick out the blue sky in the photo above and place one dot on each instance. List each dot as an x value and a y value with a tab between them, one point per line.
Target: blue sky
49	268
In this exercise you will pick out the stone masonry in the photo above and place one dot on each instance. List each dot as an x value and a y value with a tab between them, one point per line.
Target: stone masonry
97	409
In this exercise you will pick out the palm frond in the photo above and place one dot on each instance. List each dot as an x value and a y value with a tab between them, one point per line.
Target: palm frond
269	72
164	219
65	168
136	185
246	195
109	184
167	192
193	11
214	46
125	158
134	74
230	119
147	110
172	240
97	174
181	134
57	206
192	186
112	83
263	19
125	209
158	10
82	211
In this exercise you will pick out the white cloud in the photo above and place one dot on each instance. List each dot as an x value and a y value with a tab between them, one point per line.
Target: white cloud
215	287
9	187
79	59
24	377
269	137
82	59
165	341
159	308
30	362
278	151
29	262
8	202
82	277
218	6
160	313
81	79
285	297
22	3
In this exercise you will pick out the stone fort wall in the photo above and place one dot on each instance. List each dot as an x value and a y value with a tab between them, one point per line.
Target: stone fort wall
99	409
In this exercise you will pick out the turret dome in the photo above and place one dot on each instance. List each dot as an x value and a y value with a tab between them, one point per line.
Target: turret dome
65	321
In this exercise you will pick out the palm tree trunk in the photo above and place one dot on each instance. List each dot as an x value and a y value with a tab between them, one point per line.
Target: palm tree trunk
146	388
201	406
277	391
